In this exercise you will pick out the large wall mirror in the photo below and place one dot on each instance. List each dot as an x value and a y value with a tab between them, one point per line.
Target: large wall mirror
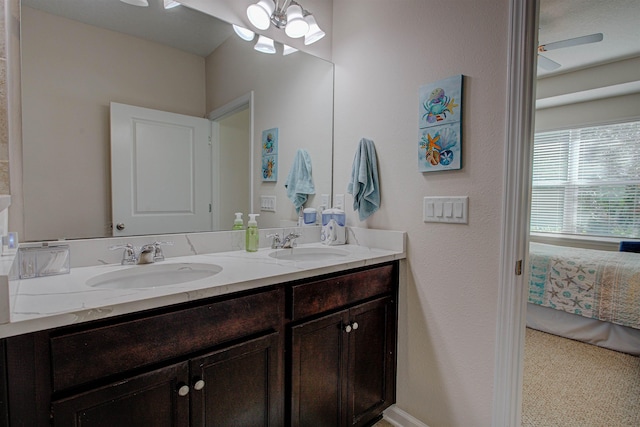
78	56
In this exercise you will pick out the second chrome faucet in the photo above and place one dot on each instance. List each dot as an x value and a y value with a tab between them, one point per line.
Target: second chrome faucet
288	242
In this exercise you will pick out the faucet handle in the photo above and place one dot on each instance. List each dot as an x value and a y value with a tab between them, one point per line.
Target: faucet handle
129	254
157	254
275	243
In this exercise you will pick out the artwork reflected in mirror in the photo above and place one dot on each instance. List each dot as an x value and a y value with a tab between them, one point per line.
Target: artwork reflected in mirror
72	71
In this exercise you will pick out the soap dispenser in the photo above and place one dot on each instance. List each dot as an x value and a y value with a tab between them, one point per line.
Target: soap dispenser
238	224
252	240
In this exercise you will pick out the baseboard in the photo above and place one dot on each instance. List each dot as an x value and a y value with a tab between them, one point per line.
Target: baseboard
399	418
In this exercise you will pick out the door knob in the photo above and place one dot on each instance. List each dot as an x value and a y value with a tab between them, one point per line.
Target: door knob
199	385
183	390
348	328
354	325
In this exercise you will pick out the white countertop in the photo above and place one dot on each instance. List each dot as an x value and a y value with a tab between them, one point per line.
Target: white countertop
48	302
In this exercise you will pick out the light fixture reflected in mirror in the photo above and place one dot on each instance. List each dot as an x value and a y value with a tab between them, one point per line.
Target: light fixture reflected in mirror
141	3
170	4
288	50
285	14
243	33
265	45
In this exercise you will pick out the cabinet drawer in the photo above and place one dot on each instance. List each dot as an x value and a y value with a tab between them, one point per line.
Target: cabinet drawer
84	356
316	297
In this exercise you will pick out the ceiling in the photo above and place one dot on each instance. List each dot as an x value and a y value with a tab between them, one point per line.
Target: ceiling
617	20
179	27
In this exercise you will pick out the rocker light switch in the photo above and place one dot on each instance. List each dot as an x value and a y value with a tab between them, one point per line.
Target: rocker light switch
445	209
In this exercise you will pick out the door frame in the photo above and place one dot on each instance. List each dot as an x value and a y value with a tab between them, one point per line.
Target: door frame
512	291
234	106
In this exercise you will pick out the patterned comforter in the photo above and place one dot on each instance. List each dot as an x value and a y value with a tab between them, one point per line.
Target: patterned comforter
603	285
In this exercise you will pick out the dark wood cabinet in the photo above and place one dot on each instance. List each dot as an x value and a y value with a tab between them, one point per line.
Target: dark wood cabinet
233	386
315	352
240	386
150	399
343	364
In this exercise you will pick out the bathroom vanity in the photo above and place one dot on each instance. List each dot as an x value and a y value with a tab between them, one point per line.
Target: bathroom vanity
313	347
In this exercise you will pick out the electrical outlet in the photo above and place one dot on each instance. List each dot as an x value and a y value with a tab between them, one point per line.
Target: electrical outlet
338	201
324	200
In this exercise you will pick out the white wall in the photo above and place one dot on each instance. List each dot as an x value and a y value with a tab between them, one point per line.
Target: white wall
383	52
66	181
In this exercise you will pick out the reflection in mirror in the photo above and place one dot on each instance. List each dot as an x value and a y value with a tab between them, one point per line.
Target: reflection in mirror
72	71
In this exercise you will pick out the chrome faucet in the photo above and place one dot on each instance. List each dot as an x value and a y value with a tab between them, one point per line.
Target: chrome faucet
290	240
147	254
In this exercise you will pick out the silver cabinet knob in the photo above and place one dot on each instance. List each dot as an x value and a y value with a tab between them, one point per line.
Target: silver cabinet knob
199	385
120	226
354	325
183	390
347	328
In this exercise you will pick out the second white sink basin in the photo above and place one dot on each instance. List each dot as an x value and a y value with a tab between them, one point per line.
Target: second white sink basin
308	254
152	275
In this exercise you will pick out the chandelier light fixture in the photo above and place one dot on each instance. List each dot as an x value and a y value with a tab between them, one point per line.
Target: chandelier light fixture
286	15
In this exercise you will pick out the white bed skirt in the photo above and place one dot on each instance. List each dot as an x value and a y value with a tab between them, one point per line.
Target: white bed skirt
592	331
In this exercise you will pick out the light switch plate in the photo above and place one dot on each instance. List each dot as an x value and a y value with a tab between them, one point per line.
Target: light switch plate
268	203
446	209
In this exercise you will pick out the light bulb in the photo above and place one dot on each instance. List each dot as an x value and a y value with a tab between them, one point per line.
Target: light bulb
315	33
296	24
260	13
265	45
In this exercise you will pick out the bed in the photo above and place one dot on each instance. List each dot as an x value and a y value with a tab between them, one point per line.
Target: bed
585	294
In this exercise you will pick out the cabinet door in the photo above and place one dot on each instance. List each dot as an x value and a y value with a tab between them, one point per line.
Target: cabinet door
372	347
239	385
150	399
318	363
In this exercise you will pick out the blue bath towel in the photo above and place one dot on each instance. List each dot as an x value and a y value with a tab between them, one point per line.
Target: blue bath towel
299	183
364	184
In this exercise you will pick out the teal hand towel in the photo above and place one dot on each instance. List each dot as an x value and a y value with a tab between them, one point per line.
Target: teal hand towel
299	183
364	184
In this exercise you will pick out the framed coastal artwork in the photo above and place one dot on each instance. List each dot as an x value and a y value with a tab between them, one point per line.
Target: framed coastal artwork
440	125
269	162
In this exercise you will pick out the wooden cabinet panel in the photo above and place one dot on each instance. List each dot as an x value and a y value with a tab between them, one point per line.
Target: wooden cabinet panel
318	366
150	399
323	295
133	344
242	386
372	360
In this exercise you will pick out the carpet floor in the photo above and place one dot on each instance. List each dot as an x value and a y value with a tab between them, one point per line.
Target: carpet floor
569	383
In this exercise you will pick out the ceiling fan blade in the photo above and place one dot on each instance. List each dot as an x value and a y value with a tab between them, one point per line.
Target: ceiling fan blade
591	38
547	63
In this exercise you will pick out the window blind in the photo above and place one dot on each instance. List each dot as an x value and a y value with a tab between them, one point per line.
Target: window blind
587	181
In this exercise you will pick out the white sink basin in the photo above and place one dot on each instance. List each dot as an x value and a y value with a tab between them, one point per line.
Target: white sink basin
308	254
153	275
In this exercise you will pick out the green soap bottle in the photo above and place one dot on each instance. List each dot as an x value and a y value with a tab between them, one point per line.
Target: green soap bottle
238	224
252	240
